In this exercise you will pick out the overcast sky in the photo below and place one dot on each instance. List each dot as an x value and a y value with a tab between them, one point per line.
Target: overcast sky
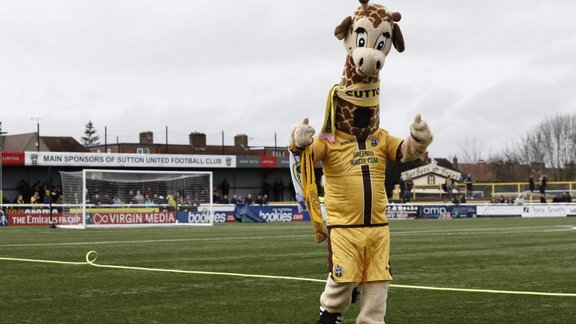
476	70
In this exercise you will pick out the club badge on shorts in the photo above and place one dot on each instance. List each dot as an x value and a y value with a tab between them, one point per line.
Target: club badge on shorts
338	271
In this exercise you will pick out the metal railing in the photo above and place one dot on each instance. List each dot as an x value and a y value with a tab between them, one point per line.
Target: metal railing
490	190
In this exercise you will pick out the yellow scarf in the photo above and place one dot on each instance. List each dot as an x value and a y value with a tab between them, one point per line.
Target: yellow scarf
361	94
311	194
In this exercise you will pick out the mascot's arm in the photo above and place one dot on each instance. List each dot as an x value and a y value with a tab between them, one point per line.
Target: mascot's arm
419	139
301	136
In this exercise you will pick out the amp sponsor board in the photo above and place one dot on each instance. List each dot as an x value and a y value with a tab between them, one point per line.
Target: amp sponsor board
442	211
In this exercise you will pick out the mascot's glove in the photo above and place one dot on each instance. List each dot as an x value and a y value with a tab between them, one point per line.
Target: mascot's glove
419	139
301	136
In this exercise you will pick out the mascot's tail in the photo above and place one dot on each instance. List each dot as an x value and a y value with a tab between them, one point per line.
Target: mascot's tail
304	180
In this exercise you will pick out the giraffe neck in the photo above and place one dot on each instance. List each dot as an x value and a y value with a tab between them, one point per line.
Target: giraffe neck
346	112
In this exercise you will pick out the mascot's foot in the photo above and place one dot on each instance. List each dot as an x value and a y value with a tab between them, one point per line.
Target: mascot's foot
329	318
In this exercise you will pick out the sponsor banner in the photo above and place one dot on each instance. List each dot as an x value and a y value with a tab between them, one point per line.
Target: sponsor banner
107	216
571	210
462	211
284	162
39	217
222	214
163	217
432	211
247	161
13	158
225	214
401	211
499	210
129	160
432	168
544	211
268	161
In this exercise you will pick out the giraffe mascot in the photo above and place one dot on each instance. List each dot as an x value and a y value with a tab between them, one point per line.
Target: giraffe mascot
353	150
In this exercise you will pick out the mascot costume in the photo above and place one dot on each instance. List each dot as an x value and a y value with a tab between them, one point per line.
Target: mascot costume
353	150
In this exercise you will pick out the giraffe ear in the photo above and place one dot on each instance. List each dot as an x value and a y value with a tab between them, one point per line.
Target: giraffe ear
397	38
341	29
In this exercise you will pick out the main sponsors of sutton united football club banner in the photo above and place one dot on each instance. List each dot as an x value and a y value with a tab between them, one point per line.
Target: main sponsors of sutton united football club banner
129	160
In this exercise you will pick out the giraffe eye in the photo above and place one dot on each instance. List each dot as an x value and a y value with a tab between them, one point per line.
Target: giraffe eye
381	41
361	37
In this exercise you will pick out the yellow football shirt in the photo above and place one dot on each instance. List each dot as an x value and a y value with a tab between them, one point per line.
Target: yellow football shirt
354	171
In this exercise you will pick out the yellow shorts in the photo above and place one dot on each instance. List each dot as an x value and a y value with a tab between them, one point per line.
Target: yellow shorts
359	254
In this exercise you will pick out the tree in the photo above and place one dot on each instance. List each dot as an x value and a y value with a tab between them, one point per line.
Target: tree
90	138
551	145
470	152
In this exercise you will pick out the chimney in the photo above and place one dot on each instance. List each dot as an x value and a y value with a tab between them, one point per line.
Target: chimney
147	138
455	162
197	141
241	140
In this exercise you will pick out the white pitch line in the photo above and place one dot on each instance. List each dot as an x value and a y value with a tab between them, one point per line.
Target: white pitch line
92	256
155	241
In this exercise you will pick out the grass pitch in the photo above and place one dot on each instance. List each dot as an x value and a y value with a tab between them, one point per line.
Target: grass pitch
511	254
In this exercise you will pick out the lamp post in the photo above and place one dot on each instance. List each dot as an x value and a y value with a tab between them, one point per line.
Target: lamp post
37	119
1	163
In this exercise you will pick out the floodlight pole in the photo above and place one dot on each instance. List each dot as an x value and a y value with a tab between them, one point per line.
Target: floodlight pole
1	163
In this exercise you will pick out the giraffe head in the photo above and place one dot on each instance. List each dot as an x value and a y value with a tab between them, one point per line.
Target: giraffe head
369	35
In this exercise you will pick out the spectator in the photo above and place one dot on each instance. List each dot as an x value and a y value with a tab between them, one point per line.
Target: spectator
543	182
520	200
138	198
402	185
225	199
469	181
409	184
448	187
224	187
531	185
265	187
35	199
543	199
116	201
249	200
278	190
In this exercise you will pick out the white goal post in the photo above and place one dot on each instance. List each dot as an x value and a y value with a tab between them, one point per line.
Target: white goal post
121	198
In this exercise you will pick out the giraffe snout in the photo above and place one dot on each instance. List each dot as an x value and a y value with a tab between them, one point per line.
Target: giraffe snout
368	61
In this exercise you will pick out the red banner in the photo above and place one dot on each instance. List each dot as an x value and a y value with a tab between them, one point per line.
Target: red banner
20	218
268	161
13	158
165	217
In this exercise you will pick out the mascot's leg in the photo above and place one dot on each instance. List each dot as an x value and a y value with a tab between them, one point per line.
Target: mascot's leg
373	302
335	300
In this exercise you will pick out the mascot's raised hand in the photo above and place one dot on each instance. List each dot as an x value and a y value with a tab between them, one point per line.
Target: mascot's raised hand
419	139
301	135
